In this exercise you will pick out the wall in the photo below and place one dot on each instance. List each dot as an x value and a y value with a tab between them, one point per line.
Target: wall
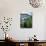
13	8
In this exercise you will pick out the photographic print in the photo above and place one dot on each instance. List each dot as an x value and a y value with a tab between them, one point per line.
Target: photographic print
26	20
